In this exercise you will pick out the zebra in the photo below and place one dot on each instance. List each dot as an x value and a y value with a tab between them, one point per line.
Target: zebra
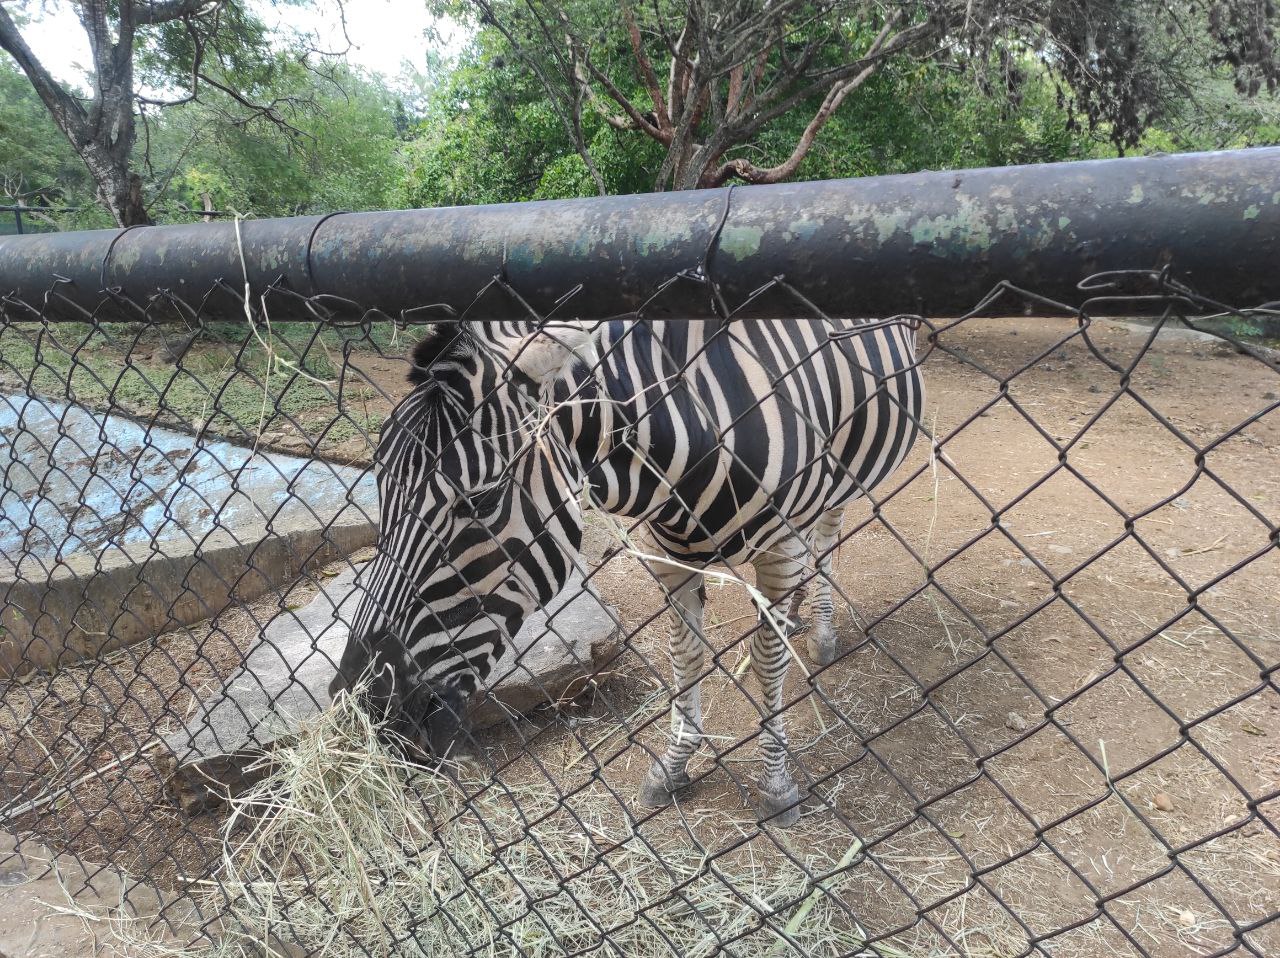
724	441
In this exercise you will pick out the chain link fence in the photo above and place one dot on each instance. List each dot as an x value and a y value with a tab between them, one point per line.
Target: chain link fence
1048	725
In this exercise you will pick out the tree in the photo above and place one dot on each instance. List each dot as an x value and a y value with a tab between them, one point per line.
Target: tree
189	46
488	136
705	79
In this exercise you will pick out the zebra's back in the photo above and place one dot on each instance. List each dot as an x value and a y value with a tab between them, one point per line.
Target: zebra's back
728	437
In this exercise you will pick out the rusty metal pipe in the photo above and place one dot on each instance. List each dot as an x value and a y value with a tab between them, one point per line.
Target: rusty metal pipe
932	243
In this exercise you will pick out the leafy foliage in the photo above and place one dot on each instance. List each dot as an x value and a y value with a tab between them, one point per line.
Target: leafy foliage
340	155
35	161
489	137
342	152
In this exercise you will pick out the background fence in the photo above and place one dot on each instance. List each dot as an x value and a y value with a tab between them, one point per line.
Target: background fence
1050	728
17	220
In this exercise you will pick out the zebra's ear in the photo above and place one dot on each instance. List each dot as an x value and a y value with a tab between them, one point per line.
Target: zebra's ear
544	354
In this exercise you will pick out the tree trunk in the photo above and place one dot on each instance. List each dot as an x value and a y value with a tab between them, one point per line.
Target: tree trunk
119	189
101	130
133	211
687	177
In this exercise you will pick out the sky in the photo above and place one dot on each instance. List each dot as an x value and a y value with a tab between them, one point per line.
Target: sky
385	34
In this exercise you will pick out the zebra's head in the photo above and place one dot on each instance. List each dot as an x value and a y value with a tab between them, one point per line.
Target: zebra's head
479	524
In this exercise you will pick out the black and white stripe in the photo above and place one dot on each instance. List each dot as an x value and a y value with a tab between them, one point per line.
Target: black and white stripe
724	441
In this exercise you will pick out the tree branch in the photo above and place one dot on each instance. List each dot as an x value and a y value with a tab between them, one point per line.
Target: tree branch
268	111
620	98
152	12
65	109
747	171
771	106
646	67
677	75
572	120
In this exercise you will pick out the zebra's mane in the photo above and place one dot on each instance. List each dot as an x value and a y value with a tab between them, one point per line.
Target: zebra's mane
441	341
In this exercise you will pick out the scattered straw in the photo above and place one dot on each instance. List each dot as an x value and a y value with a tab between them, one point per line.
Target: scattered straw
347	848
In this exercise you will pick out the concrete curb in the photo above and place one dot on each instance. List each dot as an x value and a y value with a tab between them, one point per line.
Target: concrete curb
89	605
285	681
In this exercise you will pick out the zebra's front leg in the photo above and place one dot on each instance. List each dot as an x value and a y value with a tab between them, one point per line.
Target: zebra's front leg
688	651
821	640
778	577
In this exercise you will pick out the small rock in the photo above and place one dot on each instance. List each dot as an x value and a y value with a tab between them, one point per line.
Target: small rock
1015	722
1187	917
1061	354
173	350
1271	396
1095	388
296	443
1163	802
1061	550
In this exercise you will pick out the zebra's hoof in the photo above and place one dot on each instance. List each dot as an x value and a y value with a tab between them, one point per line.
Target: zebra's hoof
659	785
823	649
780	808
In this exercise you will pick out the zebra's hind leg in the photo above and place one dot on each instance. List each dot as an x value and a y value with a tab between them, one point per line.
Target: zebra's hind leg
821	639
688	647
778	576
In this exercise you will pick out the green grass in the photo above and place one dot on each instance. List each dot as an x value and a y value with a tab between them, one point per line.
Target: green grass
238	385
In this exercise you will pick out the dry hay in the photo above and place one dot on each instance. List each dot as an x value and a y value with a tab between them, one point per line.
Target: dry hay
348	848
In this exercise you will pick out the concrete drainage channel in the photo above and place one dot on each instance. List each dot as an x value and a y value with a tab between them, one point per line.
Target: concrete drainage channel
128	531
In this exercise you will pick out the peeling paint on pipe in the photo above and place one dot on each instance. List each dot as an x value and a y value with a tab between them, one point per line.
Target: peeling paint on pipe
933	243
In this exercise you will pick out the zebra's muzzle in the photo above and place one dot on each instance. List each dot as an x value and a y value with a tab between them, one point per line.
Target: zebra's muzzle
429	717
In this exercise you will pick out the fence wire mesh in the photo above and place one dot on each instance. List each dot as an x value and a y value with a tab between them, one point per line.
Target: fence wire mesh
1048	724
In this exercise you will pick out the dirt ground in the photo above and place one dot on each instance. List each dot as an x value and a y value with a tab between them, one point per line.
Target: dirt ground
1042	740
37	917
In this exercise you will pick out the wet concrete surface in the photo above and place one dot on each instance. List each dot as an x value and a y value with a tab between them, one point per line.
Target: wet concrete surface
112	531
75	480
